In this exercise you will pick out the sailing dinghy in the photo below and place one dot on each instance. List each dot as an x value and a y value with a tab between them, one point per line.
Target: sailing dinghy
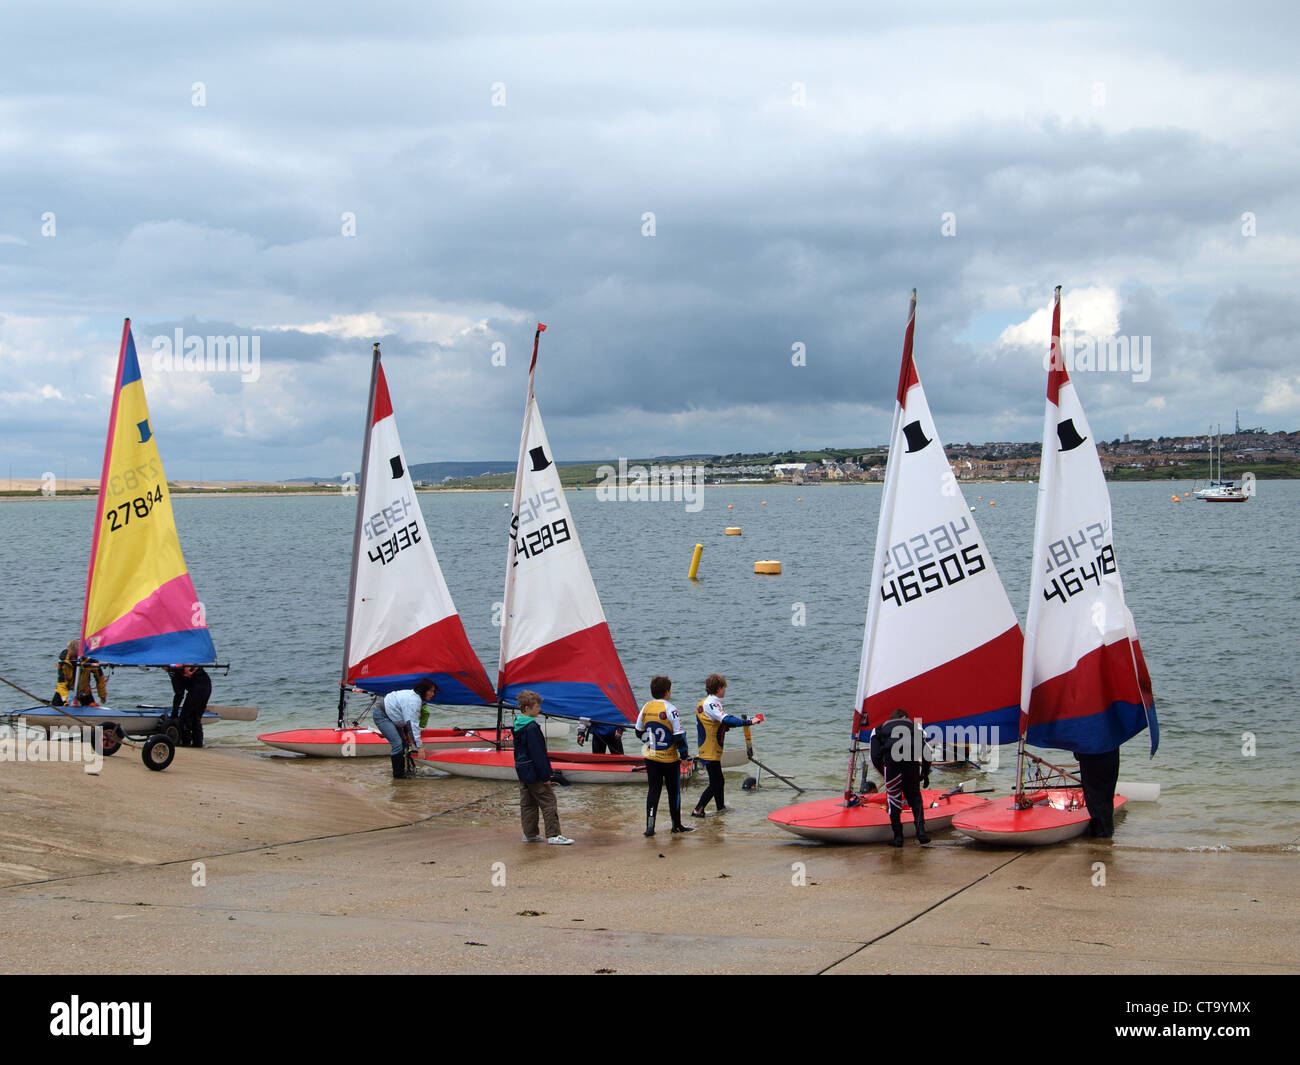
1084	685
401	622
554	636
140	607
941	641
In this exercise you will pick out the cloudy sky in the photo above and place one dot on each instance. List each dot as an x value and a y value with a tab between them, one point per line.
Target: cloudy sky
684	192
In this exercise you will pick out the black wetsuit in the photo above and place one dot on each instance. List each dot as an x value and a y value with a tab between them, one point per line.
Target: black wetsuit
899	754
190	701
1099	774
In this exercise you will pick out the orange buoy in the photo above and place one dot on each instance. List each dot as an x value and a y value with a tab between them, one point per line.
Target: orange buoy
767	565
733	530
1176	498
763	504
731	506
993	502
799	500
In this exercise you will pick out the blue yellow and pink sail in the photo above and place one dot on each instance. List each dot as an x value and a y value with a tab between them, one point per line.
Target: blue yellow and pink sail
140	605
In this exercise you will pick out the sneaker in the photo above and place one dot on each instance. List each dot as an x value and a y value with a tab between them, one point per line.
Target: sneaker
534	839
559	841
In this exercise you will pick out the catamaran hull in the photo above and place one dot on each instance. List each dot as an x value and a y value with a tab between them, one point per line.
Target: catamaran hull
132	722
830	821
578	767
1062	816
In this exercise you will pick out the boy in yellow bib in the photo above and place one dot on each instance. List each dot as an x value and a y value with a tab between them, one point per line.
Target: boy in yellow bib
659	728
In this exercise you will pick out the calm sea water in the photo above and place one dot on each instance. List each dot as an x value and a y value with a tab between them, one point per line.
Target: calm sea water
1212	589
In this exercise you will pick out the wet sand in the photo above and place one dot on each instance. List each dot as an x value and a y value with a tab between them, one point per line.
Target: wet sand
308	868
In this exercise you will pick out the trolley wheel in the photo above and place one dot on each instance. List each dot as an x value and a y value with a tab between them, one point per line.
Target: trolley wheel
173	734
110	741
158	752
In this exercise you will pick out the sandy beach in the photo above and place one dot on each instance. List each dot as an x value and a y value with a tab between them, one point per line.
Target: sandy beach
301	871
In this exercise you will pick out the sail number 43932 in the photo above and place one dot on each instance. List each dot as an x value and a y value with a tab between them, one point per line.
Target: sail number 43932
119	517
388	549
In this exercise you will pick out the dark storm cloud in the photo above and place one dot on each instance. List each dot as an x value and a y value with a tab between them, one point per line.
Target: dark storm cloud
775	224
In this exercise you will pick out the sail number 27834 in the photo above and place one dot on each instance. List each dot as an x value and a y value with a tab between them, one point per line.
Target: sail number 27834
119	517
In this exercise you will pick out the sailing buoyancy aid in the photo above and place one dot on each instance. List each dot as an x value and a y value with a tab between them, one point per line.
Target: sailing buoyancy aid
660	724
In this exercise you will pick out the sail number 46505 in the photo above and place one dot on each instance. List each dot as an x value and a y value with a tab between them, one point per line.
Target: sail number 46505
931	576
120	516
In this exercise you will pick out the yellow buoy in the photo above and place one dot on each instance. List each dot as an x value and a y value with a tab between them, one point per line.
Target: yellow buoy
767	565
695	561
733	530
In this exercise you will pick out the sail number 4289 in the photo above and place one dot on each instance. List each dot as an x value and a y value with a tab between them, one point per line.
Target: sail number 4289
120	516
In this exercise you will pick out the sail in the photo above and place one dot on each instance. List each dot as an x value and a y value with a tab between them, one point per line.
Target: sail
942	641
1084	683
140	607
402	625
554	637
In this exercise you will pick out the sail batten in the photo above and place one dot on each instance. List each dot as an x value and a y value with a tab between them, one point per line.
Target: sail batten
402	624
140	606
555	639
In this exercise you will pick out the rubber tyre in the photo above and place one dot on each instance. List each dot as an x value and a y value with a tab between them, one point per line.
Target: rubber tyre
112	740
158	752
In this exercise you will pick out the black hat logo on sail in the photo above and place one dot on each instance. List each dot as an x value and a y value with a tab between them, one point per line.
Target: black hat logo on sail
540	461
916	440
396	463
1068	435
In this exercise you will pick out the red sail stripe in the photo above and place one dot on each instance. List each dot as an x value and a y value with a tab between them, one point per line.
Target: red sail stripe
991	670
1056	374
441	647
583	657
383	405
1101	677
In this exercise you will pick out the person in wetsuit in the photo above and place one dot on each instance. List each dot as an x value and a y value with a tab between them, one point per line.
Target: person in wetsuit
1099	774
711	724
191	690
659	728
900	754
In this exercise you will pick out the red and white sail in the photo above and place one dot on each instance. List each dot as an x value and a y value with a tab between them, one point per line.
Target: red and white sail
402	624
554	637
942	641
1084	683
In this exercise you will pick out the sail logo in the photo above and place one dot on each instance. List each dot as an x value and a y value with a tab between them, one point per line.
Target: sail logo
66	743
652	484
1076	353
77	1018
180	353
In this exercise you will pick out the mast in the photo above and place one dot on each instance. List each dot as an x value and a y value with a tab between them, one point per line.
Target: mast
888	495
509	595
102	495
356	537
1046	485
